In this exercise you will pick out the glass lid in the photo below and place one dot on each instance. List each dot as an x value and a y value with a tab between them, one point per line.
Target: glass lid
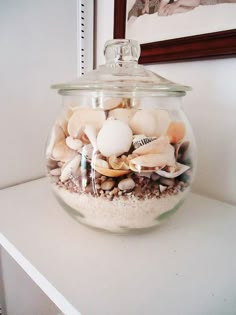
121	72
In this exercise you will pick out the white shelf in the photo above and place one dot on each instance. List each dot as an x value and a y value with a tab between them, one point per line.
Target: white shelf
185	267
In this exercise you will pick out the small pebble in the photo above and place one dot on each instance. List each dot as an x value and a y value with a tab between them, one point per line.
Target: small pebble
126	184
97	186
167	181
103	178
155	176
108	185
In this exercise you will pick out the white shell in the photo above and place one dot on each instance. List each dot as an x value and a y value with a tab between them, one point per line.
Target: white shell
61	152
56	136
55	172
115	138
90	132
123	114
70	168
180	170
112	103
83	117
151	123
74	144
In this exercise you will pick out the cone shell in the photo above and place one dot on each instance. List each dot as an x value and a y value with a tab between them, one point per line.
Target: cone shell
176	131
83	117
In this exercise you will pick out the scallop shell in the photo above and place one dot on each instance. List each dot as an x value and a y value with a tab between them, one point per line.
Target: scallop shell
140	140
112	103
83	117
176	131
61	152
114	138
156	146
123	114
70	168
118	163
181	168
56	136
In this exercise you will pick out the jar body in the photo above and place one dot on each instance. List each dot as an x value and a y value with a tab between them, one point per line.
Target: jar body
121	162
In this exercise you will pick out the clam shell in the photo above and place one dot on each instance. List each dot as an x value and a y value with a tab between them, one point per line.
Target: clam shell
100	163
115	138
123	114
61	152
111	173
151	123
176	131
70	168
156	146
74	144
83	117
140	140
57	135
181	168
112	103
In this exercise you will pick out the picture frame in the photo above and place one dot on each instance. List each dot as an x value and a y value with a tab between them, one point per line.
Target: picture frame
197	47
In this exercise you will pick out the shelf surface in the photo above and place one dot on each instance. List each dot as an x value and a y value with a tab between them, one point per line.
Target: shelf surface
187	266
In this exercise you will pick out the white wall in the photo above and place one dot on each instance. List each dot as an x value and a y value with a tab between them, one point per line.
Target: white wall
38	48
211	108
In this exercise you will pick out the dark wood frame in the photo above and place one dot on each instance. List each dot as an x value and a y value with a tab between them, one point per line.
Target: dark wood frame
205	46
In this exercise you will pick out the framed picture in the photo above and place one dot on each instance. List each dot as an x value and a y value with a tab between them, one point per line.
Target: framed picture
170	30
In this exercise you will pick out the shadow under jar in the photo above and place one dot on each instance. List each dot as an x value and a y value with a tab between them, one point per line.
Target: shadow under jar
121	156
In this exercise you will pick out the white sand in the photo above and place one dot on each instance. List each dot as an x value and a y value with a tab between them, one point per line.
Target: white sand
118	215
203	19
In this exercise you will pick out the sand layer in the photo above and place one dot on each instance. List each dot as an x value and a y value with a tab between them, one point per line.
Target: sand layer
118	215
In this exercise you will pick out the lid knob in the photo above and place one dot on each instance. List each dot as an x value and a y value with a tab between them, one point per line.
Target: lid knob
121	50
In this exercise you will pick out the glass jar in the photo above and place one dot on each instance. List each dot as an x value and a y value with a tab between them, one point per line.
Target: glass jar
121	155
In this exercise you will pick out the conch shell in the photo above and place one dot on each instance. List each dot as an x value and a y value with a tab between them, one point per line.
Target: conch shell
153	161
179	169
176	131
156	146
83	117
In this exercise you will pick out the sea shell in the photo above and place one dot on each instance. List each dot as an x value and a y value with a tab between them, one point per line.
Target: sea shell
119	163
61	152
180	169
83	117
55	172
151	123
57	135
70	168
114	138
181	151
176	131
100	163
140	140
90	132
144	122
156	146
74	144
110	172
123	114
126	184
112	103
152	161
